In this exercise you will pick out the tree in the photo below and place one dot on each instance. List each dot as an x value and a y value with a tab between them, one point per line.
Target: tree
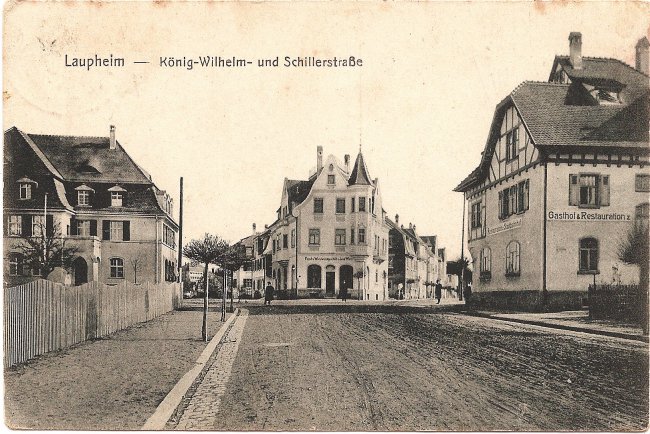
136	265
634	249
460	268
209	250
359	275
233	260
46	249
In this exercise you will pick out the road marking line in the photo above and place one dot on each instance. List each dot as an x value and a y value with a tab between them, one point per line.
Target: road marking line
166	408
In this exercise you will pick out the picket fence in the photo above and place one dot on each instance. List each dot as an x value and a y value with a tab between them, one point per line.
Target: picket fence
43	316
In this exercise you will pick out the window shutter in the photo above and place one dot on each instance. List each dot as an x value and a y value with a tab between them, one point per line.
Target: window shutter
93	228
500	204
49	222
126	231
603	188
26	222
73	226
106	230
526	194
574	190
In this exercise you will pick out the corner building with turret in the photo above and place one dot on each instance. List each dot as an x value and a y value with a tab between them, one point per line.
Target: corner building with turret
330	235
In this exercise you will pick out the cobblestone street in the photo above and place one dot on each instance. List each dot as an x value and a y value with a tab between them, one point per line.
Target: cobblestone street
379	367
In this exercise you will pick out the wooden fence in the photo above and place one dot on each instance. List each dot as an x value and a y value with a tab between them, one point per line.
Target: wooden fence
43	316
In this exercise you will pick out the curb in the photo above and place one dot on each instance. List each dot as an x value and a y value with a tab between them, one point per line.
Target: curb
620	335
166	408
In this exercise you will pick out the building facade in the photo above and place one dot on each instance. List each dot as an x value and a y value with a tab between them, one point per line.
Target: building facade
563	176
89	192
330	234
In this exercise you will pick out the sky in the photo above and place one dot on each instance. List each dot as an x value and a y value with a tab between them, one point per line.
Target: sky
420	106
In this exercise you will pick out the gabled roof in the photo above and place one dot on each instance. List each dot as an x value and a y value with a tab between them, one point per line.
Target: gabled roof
431	240
556	116
360	175
298	190
88	159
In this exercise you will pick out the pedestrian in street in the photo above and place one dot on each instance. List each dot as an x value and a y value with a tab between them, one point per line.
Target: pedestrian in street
438	291
468	293
344	293
268	294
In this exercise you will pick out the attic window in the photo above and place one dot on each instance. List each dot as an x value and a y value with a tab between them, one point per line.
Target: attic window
117	195
25	188
86	168
604	92
83	195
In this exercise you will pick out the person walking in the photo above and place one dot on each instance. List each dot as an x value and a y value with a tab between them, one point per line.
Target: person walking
467	294
344	293
268	294
438	291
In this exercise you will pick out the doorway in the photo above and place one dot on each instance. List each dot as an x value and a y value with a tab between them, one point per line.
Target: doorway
79	271
345	277
330	280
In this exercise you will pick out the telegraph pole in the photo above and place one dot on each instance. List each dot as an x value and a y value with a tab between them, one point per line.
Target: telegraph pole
462	255
180	233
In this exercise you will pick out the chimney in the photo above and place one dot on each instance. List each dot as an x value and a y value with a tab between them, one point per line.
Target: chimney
266	226
642	59
319	159
413	228
111	144
254	228
410	225
346	158
575	49
396	218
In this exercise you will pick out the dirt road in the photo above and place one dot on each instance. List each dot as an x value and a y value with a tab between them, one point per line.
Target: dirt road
356	367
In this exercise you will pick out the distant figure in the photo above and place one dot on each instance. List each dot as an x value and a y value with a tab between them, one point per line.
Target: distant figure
344	293
268	294
438	291
467	294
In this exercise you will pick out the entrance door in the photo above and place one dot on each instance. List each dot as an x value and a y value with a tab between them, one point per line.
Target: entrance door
345	277
329	283
80	271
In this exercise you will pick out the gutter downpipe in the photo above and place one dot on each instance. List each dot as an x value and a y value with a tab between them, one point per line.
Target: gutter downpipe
544	283
157	253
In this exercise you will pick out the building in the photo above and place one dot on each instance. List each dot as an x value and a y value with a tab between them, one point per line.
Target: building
243	278
330	234
91	193
414	265
563	175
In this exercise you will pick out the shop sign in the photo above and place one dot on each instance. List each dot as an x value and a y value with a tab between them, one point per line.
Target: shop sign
325	258
505	226
590	216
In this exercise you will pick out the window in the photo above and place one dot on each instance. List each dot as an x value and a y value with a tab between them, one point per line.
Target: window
339	237
25	191
514	199
15	264
117	231
83	197
314	236
352	205
83	228
589	190
113	230
116	198
512	144
642	213
512	259
38	223
340	206
314	276
15	225
331	179
588	255
642	183
293	238
285	241
352	231
117	268
169	236
362	236
318	205
362	204
476	215
486	264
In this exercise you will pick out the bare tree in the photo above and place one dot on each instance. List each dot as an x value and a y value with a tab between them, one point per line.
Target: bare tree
209	250
136	264
46	249
634	249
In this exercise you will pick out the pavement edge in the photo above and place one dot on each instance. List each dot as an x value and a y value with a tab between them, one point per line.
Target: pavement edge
166	408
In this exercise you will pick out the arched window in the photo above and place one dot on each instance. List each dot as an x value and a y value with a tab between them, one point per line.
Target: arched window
314	276
486	263
512	259
117	268
588	255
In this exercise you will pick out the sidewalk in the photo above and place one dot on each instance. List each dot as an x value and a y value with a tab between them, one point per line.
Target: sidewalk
114	383
577	320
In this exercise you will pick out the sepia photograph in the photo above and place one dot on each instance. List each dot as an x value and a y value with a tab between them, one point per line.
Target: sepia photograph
326	216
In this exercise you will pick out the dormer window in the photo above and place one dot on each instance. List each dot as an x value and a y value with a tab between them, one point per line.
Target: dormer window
604	91
25	188
117	195
83	195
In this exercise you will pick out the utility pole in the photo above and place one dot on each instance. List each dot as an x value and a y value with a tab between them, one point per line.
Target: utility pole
180	233
462	255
